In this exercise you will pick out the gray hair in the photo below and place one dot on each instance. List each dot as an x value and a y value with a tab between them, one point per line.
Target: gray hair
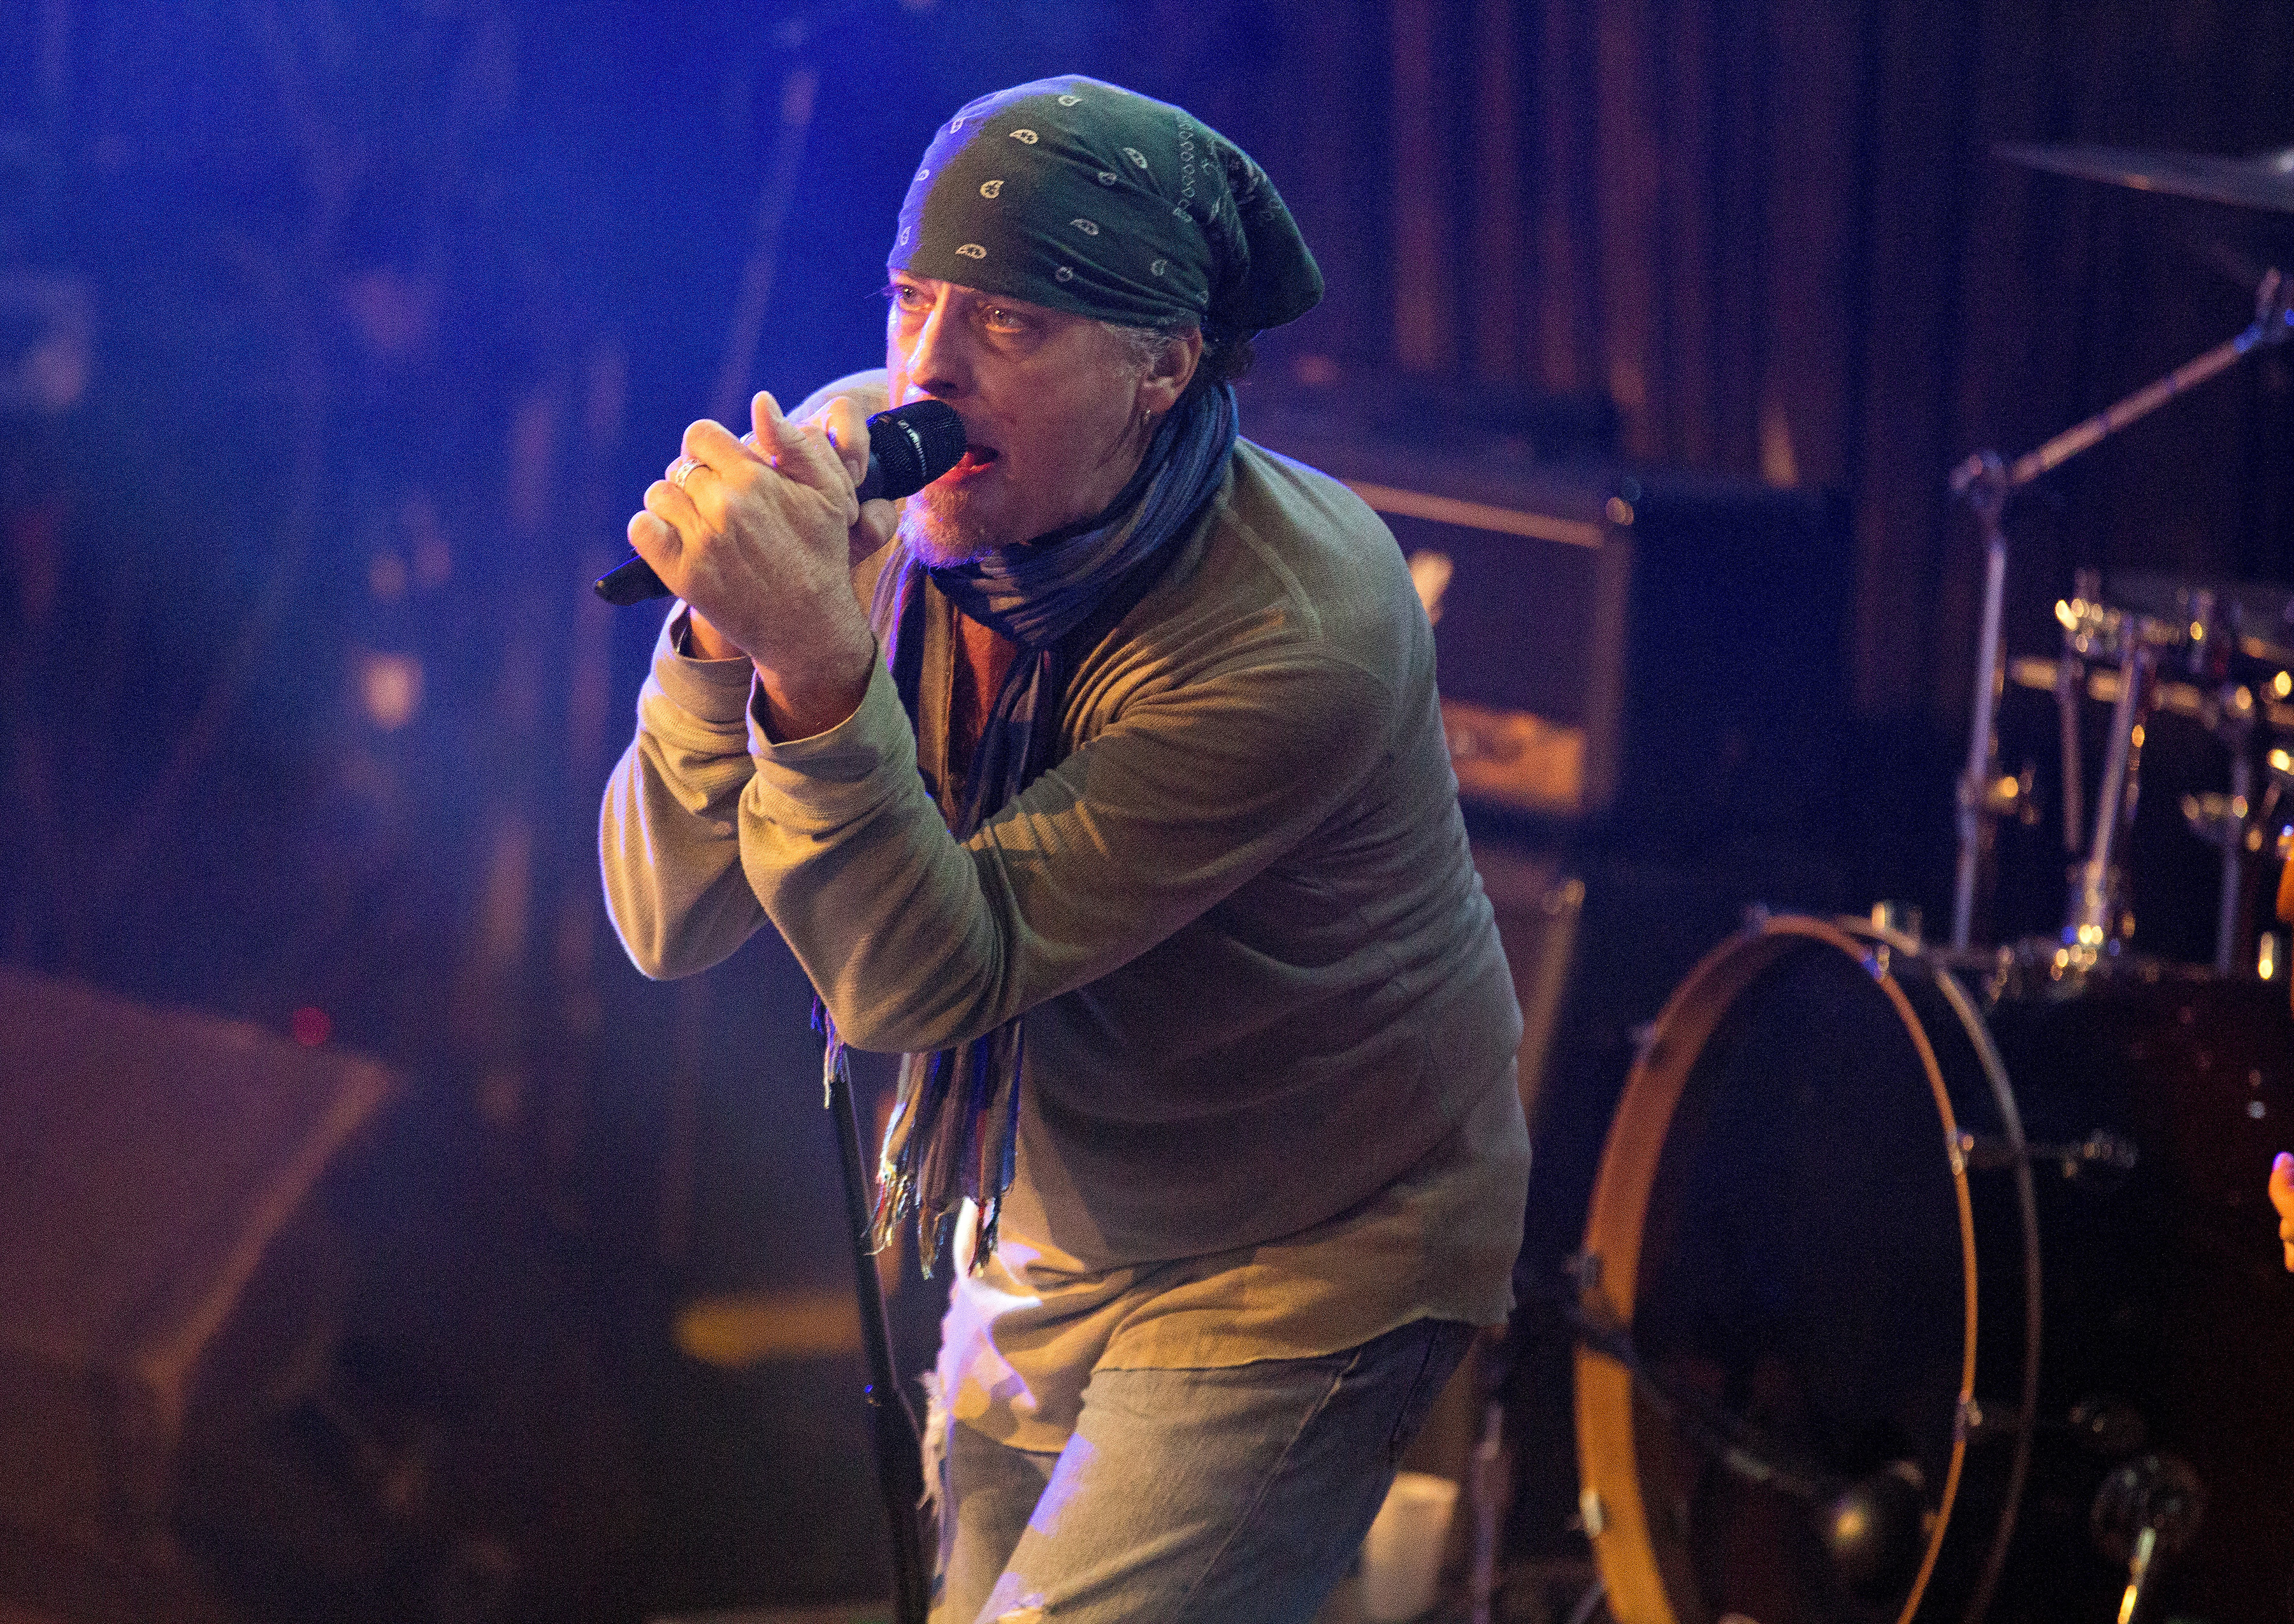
1146	348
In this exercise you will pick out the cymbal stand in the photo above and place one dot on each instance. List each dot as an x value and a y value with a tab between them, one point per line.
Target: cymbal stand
2097	915
1986	489
2228	711
2232	835
1984	482
2071	687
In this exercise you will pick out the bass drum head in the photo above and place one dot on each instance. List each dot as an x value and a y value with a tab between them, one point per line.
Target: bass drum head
1816	1235
1786	1240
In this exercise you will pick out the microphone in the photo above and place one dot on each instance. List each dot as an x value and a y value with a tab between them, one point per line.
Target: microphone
908	447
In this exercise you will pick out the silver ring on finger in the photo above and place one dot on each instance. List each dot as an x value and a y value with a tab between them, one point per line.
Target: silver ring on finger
681	470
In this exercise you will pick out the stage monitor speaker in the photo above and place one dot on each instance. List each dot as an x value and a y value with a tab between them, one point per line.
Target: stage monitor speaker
1656	660
157	1263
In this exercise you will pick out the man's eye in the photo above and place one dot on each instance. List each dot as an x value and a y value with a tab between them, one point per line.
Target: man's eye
906	297
1004	320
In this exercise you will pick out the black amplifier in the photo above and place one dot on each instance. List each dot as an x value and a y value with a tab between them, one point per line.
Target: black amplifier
1656	656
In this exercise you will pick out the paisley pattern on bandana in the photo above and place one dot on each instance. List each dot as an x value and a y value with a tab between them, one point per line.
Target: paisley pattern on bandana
1184	229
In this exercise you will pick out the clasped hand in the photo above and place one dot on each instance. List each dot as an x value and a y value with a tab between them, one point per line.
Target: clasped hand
2281	1197
760	538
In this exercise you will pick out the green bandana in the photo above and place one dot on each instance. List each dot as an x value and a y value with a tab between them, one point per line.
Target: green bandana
1091	198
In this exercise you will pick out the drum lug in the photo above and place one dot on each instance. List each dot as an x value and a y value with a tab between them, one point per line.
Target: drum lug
1981	1423
1584	1271
2108	1428
2104	1427
1592	1515
2101	1153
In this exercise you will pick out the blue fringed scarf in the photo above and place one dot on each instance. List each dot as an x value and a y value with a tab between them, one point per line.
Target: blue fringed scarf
955	1130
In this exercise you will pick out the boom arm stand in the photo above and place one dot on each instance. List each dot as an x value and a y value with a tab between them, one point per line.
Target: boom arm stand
1985	482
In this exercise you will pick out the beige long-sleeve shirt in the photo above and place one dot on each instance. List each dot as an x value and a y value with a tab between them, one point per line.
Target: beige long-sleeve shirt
1268	1108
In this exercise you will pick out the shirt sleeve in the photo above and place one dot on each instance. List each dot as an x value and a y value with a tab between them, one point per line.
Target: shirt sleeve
667	839
915	941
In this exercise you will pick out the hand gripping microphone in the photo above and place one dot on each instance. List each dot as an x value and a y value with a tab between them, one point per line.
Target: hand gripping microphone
908	447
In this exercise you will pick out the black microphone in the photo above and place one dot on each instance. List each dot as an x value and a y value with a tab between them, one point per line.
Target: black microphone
908	447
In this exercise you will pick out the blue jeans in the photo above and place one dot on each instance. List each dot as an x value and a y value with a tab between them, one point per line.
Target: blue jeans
1236	1493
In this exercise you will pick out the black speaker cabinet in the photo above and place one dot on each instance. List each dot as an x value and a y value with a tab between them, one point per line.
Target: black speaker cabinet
1657	660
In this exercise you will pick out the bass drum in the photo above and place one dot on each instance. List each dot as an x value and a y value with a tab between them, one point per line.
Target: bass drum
1869	1333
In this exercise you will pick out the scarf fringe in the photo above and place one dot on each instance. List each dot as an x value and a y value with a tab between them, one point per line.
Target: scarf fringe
973	1090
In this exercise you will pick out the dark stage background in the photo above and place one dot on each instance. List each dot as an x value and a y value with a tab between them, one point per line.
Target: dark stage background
336	342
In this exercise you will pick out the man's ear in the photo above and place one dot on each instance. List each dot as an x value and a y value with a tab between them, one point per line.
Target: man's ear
1161	388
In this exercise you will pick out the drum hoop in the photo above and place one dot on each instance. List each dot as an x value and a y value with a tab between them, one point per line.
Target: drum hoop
2027	1208
1632	1564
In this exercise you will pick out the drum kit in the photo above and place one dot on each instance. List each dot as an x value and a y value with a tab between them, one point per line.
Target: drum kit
1927	1281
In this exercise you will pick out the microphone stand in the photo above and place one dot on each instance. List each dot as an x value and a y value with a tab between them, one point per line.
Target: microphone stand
891	1423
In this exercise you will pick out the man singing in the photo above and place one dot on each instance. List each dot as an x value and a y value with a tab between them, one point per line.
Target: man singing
1124	813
